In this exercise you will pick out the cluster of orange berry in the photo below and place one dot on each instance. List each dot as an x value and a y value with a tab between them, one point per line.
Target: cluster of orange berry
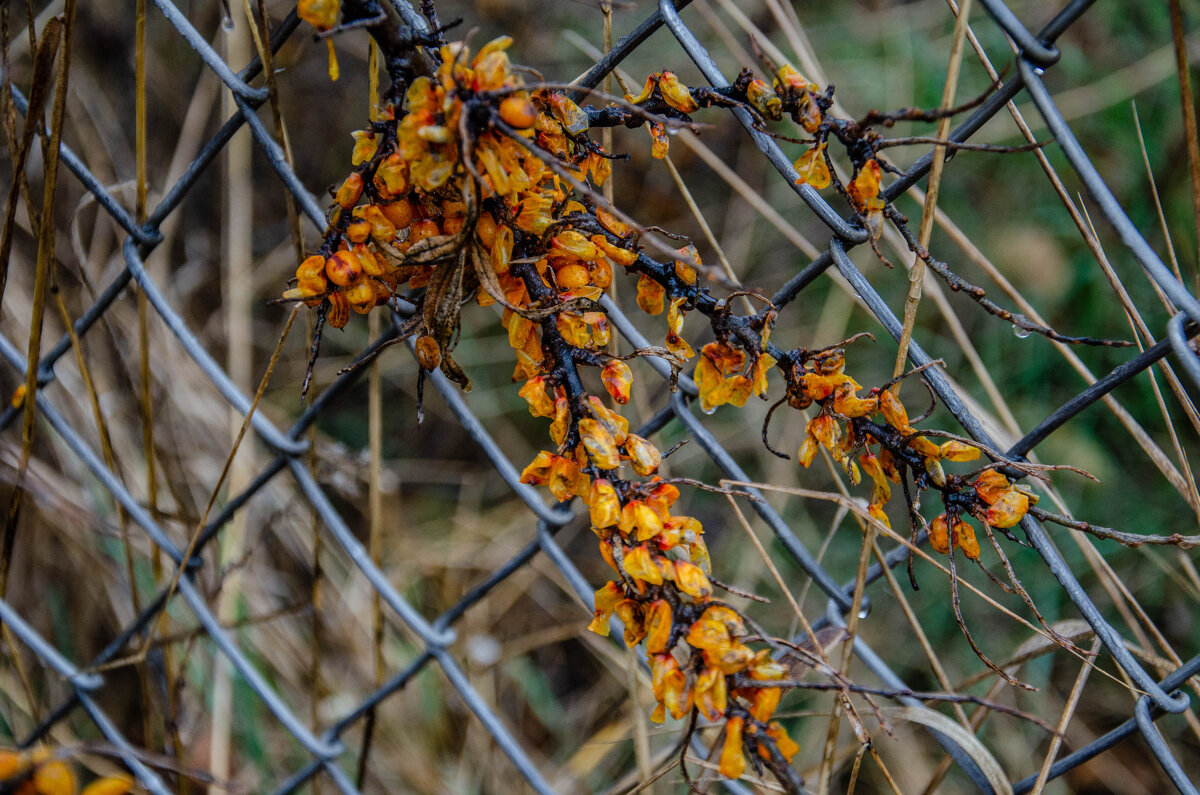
40	772
994	500
475	183
843	426
443	189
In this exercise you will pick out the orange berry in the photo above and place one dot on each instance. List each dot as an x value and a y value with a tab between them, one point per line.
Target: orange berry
110	785
421	230
361	297
572	276
11	763
358	230
312	267
343	268
381	226
429	353
400	213
485	228
518	112
54	778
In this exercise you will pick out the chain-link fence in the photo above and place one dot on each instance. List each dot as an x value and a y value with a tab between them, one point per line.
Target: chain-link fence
324	752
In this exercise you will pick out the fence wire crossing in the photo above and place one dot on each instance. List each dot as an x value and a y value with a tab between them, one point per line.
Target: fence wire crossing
325	752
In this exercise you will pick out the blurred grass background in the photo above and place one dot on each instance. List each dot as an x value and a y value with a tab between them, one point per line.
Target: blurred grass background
449	520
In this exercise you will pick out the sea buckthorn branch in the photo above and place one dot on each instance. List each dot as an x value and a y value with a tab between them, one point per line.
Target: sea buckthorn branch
895	452
527	240
538	258
475	185
862	144
406	53
977	294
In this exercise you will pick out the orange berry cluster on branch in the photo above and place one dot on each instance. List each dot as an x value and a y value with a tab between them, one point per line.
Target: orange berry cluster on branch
844	428
727	375
995	501
693	646
473	183
440	197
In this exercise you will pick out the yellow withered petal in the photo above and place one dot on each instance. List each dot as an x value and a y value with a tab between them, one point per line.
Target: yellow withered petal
643	456
617	379
658	626
677	696
54	778
811	168
676	94
786	745
939	534
991	485
606	600
712	694
538	397
600	444
733	761
764	703
964	536
640	564
604	506
109	785
692	580
650	295
1008	510
631	615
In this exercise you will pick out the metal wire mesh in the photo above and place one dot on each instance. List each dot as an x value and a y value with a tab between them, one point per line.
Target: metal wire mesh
324	752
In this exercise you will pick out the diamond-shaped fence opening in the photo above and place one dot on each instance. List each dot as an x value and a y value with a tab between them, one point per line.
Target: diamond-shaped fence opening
169	611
